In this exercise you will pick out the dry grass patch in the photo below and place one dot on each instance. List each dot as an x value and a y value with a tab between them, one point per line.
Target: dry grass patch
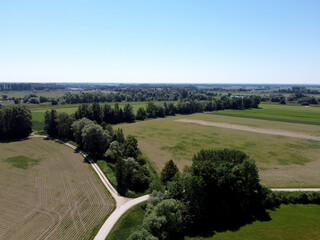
49	192
282	161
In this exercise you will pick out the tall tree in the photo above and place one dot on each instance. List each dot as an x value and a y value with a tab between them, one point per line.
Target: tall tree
96	112
64	122
95	139
128	113
77	127
50	122
168	172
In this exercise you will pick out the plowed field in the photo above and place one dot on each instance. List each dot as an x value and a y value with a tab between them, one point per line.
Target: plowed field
49	192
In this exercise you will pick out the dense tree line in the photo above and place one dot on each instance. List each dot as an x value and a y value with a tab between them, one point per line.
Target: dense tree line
132	171
221	190
15	122
29	86
108	114
296	97
301	90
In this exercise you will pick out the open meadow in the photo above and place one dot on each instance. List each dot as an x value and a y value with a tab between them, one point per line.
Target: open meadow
282	161
287	223
278	112
49	192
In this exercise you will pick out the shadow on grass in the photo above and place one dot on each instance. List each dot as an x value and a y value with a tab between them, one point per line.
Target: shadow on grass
209	229
14	140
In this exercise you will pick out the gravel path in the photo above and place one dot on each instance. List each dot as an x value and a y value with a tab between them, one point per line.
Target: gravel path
252	129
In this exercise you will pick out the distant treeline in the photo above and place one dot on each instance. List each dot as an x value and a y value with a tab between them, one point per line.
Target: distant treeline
113	115
302	90
29	86
296	97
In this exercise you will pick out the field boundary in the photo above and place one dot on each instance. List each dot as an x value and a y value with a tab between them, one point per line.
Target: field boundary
251	129
263	118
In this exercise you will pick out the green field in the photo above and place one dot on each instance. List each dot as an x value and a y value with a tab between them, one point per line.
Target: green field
278	112
282	161
289	222
128	223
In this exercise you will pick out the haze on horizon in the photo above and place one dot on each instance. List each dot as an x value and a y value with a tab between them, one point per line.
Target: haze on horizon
272	42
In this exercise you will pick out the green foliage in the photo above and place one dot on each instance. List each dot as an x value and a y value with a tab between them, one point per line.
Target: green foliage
23	162
77	127
141	114
50	122
131	147
118	136
128	113
168	172
95	139
114	152
140	179
128	223
142	234
64	122
15	122
222	189
298	197
165	220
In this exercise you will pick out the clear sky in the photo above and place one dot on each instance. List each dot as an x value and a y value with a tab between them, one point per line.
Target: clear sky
167	41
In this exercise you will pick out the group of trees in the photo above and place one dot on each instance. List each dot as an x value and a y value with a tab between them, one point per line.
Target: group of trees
221	190
298	89
132	171
15	122
299	97
108	114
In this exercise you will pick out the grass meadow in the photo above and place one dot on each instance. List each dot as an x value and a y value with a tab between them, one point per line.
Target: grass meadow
278	112
128	223
49	192
289	222
282	161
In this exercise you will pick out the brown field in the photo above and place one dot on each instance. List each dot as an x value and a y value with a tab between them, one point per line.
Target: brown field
49	192
282	161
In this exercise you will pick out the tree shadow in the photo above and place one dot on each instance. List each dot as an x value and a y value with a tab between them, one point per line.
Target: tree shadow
209	229
14	140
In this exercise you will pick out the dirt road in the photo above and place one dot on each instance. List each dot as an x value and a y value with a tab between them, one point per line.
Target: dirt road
252	129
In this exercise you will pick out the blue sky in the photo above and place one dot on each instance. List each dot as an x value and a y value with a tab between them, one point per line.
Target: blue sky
261	41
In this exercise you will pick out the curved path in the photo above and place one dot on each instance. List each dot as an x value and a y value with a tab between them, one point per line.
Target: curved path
252	129
122	203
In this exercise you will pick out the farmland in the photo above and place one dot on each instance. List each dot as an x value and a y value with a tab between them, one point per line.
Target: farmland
288	222
282	161
278	112
48	191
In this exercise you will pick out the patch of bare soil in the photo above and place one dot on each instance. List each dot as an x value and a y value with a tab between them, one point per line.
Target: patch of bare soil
252	129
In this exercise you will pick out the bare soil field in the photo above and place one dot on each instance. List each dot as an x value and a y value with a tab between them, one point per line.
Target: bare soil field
49	192
252	129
